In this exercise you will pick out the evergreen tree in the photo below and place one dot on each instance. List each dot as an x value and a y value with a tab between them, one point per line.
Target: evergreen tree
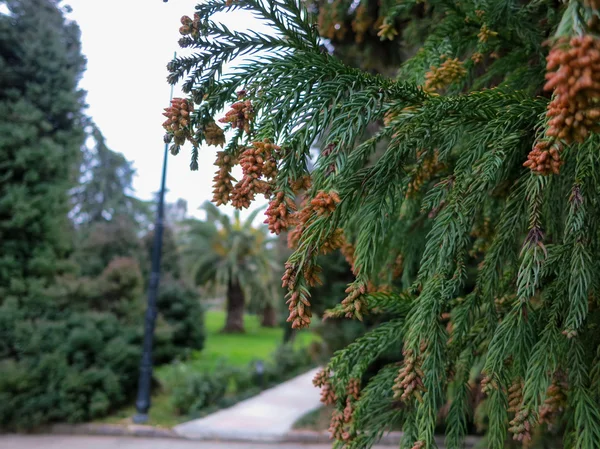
105	189
474	233
40	137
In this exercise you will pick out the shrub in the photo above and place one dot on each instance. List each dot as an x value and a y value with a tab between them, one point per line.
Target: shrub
196	391
78	364
72	370
180	307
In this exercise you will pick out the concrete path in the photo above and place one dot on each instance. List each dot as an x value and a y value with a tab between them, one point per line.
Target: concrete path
265	417
96	442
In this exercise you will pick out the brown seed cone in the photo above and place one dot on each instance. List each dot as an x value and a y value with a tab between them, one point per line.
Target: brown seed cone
322	377
353	388
328	396
573	73
450	71
348	251
362	23
299	307
259	167
515	395
544	158
521	426
348	411
325	202
311	275
555	402
178	119
279	213
214	135
333	241
240	115
336	426
303	183
409	383
223	181
354	304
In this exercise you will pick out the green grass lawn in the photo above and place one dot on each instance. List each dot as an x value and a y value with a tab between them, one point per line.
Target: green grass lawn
237	349
256	343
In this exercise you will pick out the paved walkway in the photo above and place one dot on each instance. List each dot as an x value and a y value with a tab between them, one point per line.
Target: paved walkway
96	442
265	417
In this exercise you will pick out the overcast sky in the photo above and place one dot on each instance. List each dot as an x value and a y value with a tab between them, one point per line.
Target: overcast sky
128	44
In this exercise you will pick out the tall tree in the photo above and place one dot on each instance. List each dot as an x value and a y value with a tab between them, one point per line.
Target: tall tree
41	133
105	189
472	234
231	255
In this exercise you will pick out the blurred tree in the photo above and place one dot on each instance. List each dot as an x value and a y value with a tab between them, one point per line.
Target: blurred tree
105	189
101	242
40	139
234	255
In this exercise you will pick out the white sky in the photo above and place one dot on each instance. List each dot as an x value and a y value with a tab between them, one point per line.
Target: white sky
128	44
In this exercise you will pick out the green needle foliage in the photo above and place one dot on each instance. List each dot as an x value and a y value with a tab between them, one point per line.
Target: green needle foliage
482	269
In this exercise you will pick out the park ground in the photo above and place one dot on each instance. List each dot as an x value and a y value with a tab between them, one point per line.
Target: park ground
239	350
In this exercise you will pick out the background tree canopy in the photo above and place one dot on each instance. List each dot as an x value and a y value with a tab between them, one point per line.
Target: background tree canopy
71	302
469	217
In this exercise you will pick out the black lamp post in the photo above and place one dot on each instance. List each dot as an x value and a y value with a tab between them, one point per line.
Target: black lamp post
142	403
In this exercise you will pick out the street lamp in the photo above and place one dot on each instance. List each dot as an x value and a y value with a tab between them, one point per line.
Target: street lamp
142	404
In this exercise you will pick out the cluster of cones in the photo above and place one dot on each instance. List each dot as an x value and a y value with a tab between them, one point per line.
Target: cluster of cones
240	115
223	181
259	168
190	26
214	135
521	426
178	119
279	213
573	72
545	159
409	383
340	427
555	402
321	380
362	22
299	307
354	304
324	203
448	72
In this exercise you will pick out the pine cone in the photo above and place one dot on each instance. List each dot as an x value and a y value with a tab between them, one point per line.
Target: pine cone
409	382
544	159
573	73
448	72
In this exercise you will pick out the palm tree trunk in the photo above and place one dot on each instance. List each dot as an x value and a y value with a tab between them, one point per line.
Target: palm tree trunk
234	322
269	318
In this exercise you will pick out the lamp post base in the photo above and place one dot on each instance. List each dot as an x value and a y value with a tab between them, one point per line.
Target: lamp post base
140	418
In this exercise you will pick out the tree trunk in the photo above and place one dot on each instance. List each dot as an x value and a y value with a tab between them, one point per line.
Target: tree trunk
269	318
235	309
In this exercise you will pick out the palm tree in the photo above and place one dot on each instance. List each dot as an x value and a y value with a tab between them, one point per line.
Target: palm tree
231	254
